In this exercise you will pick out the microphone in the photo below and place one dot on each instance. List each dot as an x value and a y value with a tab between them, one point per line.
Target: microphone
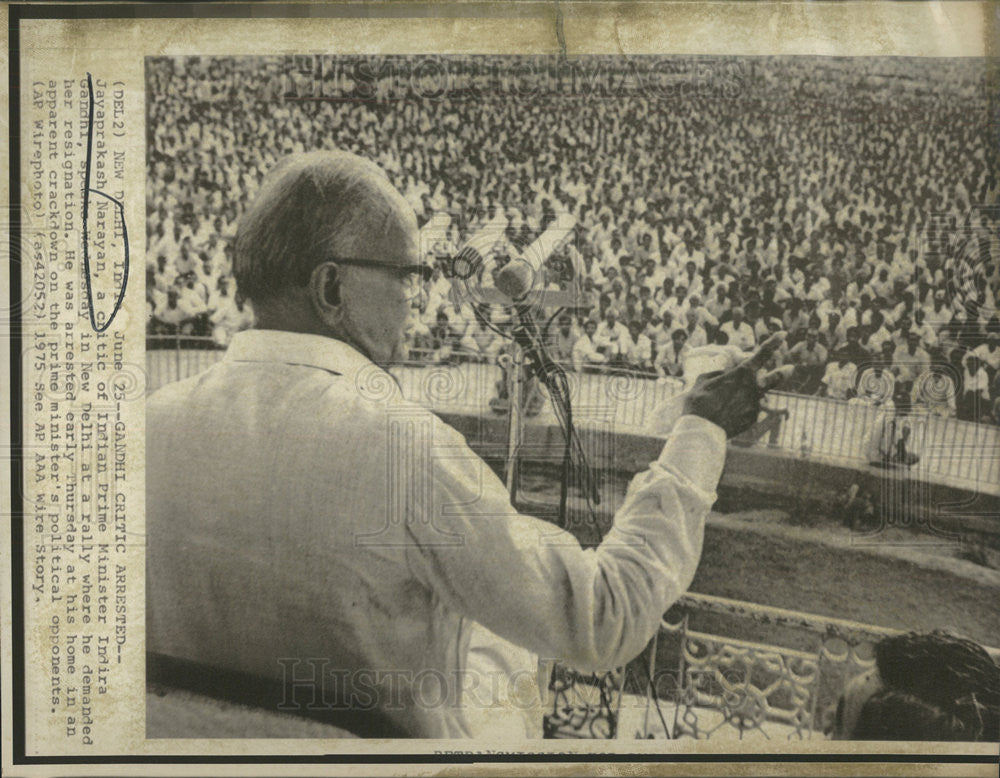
517	277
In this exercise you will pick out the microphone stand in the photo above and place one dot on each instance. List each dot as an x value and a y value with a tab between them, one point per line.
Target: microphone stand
530	355
512	366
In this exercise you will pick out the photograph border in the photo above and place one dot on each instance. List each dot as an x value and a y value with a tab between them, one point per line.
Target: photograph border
17	13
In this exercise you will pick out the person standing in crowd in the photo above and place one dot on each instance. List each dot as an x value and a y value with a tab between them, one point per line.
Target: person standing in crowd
911	362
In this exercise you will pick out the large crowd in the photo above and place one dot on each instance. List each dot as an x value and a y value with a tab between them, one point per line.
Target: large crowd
841	201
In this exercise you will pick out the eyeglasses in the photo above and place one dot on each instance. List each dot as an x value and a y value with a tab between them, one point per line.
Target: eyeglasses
414	276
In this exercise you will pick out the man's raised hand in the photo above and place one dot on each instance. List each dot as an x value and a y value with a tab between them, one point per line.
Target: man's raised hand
731	398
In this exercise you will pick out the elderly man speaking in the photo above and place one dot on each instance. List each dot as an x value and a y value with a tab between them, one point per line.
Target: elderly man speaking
308	527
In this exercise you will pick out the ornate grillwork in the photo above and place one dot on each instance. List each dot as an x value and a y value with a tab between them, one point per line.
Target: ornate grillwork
743	685
584	705
720	685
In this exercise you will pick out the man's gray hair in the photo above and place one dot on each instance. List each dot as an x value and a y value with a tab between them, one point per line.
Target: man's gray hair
310	208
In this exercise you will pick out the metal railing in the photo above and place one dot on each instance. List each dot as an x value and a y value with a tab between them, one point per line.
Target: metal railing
709	674
951	451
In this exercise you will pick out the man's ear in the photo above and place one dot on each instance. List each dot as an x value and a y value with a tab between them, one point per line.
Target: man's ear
324	290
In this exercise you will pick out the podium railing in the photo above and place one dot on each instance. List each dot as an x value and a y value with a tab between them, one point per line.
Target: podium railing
724	669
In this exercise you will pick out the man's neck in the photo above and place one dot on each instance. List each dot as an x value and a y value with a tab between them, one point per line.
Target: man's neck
290	317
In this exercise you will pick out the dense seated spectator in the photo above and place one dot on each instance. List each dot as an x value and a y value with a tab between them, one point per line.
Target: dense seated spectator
638	351
809	359
851	228
839	377
562	342
988	353
738	332
877	385
696	334
587	354
612	337
974	401
670	360
935	391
